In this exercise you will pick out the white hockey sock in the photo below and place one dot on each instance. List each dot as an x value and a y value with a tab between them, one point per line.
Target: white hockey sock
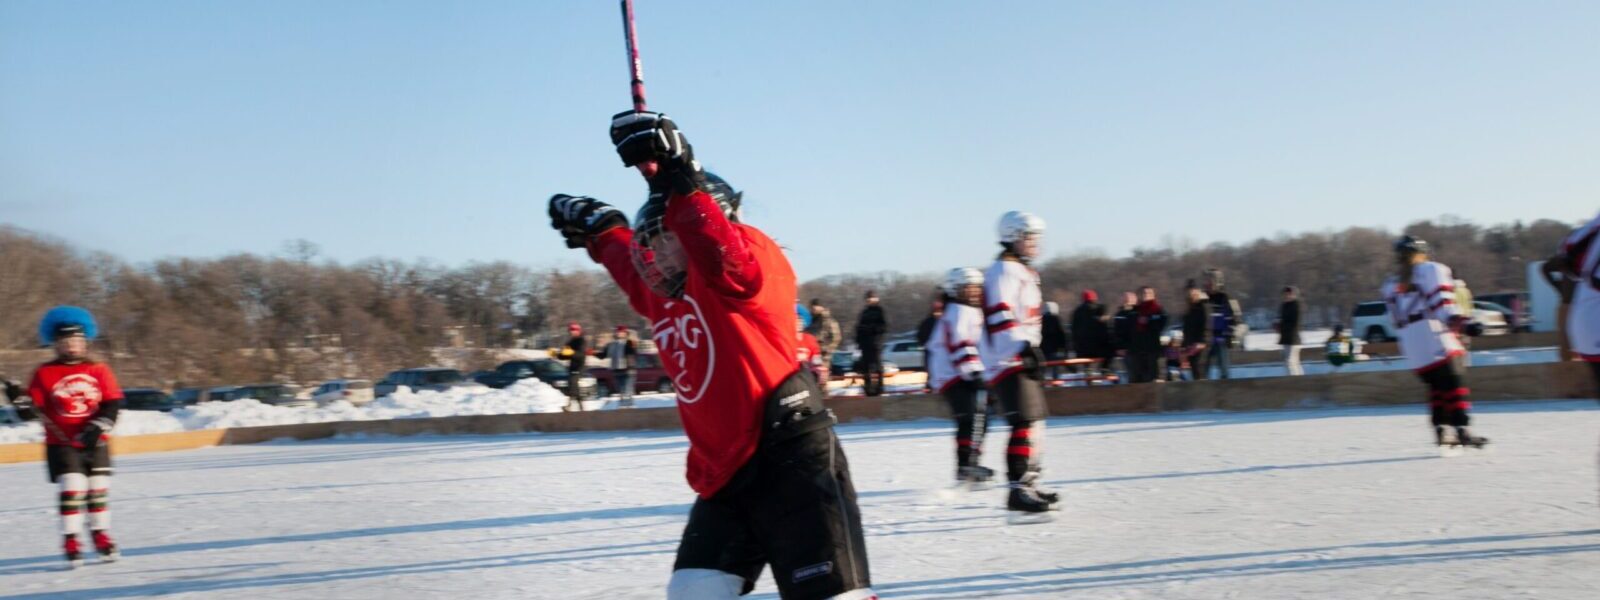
704	584
99	511
74	492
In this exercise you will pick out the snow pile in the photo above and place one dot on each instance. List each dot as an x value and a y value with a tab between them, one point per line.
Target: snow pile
526	396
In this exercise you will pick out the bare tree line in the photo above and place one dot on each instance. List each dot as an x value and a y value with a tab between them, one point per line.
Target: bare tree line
292	317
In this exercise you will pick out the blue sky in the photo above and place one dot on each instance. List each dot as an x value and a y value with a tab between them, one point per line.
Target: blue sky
867	135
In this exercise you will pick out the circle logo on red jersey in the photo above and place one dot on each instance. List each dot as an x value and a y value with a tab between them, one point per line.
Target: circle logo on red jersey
687	350
77	395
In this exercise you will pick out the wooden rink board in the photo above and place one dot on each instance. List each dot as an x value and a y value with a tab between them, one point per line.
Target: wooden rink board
1510	382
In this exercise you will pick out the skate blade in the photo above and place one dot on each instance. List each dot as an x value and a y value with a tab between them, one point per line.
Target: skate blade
110	558
1028	518
1451	451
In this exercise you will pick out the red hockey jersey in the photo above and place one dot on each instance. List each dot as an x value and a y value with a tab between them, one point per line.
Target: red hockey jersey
67	395
728	342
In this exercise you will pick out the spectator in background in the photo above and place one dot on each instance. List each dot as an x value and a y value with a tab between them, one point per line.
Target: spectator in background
825	328
870	329
1289	329
808	350
1091	334
1225	315
1197	333
925	328
1145	348
1052	338
1122	331
622	354
577	353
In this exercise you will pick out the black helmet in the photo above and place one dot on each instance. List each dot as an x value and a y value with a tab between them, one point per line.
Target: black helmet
1410	245
665	269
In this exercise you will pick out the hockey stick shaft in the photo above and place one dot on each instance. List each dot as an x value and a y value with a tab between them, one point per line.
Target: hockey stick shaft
635	72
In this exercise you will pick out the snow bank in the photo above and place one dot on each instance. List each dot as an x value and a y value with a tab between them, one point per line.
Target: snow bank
526	396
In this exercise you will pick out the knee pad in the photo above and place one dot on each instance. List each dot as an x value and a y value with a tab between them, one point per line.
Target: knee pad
704	584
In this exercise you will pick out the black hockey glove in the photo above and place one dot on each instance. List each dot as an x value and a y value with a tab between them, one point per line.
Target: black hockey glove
642	137
90	436
1032	360
20	400
579	218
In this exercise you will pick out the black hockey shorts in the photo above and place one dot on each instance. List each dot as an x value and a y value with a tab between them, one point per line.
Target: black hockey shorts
1021	399
792	506
60	460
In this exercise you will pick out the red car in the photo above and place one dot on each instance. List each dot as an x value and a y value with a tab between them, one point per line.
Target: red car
649	376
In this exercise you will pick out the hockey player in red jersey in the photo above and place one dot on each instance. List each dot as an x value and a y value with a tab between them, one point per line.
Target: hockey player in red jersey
76	399
955	371
1013	315
774	487
1421	301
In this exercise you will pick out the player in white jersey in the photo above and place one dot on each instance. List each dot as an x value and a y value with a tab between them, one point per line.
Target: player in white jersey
956	372
1421	301
1013	309
1580	254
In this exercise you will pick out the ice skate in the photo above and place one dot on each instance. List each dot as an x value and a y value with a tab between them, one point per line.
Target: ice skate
1024	506
974	477
74	551
106	548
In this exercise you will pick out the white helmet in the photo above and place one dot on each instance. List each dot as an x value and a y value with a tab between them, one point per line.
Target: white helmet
1015	224
961	277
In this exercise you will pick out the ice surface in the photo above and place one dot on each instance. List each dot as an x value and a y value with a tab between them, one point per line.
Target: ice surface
1314	504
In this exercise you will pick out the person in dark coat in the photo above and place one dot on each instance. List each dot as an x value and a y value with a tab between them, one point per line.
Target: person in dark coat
576	353
1144	348
1225	316
1091	332
925	328
870	329
1122	330
1197	333
1289	329
1053	337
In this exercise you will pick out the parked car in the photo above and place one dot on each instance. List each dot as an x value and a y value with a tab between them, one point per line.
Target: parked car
550	371
907	354
435	379
148	399
1518	310
1371	321
649	376
354	391
1494	318
276	394
191	396
224	393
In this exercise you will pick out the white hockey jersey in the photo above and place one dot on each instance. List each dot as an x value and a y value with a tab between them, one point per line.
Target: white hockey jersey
1422	310
953	348
1583	317
1013	312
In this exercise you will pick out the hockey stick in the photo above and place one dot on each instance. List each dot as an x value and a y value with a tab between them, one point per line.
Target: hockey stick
636	72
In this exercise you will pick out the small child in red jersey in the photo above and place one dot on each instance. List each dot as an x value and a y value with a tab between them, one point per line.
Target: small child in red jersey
76	399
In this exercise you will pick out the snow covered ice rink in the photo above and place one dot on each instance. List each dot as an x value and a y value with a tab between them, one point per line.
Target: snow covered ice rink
1344	503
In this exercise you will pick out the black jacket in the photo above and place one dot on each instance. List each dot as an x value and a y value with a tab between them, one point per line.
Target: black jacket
1053	339
1090	334
580	351
871	327
1224	315
1147	334
1197	323
925	329
1289	323
1122	328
